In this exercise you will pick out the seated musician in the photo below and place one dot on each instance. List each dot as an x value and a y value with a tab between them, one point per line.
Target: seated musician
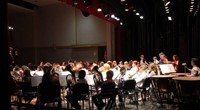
140	75
107	89
152	70
195	71
106	67
121	80
133	70
163	58
49	89
75	97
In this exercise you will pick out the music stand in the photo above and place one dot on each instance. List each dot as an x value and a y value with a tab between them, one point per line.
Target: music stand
167	68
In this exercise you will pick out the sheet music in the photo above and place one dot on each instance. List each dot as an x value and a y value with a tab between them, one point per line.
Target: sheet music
167	68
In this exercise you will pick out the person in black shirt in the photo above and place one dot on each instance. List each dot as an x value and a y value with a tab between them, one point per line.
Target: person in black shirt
107	89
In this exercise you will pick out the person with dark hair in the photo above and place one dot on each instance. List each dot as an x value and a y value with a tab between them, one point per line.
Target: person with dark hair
121	81
176	62
69	68
142	60
81	77
107	90
75	95
49	88
98	76
195	71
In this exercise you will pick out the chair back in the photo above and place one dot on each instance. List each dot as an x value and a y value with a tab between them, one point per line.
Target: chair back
146	83
80	90
48	92
129	85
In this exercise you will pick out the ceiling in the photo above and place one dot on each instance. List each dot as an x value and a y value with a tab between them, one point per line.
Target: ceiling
42	2
15	9
124	10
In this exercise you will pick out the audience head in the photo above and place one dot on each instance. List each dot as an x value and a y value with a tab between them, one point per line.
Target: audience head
162	55
143	67
106	67
81	74
110	63
109	74
101	64
95	68
114	63
16	68
135	63
152	67
195	62
47	69
55	76
154	58
175	57
142	57
122	70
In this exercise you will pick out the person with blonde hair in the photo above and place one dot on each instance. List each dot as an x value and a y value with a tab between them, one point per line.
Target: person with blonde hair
163	58
152	70
106	67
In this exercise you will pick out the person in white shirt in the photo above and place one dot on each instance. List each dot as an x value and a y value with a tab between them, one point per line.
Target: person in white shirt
133	70
152	70
195	71
106	67
155	60
141	75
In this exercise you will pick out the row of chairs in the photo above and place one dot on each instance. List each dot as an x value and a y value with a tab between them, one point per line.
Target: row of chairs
165	91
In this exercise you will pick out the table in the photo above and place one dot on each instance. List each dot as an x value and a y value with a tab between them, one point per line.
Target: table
187	78
165	76
188	90
163	87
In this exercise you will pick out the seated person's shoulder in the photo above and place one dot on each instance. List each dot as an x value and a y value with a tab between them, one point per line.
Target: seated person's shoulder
108	86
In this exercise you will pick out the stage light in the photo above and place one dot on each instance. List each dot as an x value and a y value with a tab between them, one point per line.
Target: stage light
75	2
121	23
99	9
137	14
10	28
123	0
141	17
126	9
112	16
169	18
167	3
134	10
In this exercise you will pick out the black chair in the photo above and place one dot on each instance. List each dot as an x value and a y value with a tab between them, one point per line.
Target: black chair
26	92
145	89
80	92
49	93
128	89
